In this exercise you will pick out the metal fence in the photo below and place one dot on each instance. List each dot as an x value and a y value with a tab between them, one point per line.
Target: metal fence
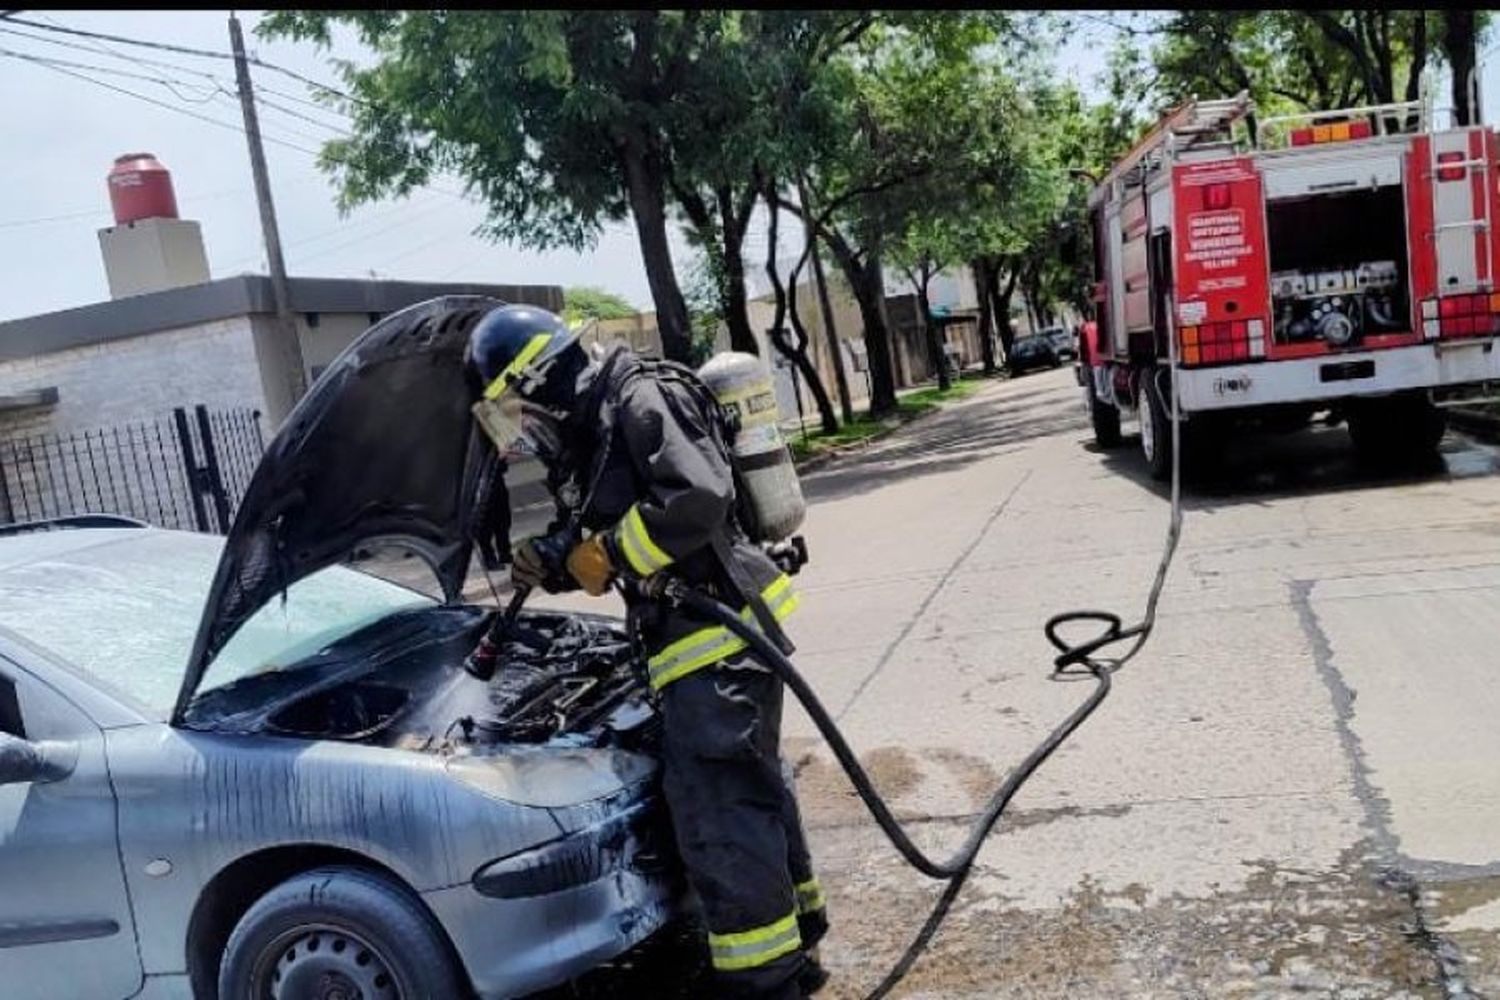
188	471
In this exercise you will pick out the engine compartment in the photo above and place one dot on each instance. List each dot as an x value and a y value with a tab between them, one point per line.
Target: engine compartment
562	679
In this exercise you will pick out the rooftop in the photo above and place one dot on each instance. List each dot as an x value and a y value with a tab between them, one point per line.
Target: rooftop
241	295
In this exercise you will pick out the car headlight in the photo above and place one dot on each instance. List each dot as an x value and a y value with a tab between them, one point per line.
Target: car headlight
550	777
628	839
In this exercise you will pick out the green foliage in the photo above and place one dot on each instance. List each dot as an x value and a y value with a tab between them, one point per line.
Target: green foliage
704	294
1294	60
582	303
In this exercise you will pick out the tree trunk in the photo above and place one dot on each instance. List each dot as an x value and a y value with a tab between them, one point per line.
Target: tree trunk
797	353
1002	299
802	361
1458	47
645	181
732	289
835	349
979	269
923	280
867	282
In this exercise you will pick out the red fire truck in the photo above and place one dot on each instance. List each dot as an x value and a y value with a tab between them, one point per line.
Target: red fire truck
1344	263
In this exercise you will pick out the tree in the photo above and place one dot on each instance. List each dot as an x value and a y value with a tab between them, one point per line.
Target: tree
553	118
1313	60
893	113
729	134
582	303
795	350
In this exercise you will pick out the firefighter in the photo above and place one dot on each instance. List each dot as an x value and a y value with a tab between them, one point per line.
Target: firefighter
629	451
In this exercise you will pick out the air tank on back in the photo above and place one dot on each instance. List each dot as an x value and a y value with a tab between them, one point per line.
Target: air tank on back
741	384
140	188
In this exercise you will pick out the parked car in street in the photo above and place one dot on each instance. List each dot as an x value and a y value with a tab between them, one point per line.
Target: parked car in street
234	768
1062	341
1031	352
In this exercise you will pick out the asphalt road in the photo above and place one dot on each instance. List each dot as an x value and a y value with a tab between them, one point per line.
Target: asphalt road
1292	791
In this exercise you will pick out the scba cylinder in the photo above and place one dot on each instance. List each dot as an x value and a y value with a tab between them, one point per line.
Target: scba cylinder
774	501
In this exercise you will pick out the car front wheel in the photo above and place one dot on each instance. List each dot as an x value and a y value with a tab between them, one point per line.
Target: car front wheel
338	932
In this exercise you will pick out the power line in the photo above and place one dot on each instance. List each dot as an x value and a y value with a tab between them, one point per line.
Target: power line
95	212
163	104
190	51
217	81
110	70
260	96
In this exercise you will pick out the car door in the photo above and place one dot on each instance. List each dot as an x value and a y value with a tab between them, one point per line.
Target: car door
66	929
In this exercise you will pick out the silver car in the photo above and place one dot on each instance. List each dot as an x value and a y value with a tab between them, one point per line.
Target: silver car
236	768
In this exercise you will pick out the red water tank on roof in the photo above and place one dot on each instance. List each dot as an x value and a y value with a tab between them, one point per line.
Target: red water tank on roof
141	188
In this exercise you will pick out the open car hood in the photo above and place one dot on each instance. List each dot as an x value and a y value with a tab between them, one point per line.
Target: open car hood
381	449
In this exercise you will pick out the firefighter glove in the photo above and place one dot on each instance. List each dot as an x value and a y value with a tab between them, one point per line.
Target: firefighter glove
590	565
540	561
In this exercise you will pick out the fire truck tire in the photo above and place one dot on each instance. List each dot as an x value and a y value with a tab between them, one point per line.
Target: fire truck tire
1156	431
1396	429
1106	420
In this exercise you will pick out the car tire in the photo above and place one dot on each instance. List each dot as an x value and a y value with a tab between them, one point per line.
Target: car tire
339	926
1156	429
1106	421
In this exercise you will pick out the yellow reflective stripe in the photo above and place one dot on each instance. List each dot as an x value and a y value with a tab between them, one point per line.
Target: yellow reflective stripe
533	347
665	674
715	642
755	947
632	551
644	555
809	896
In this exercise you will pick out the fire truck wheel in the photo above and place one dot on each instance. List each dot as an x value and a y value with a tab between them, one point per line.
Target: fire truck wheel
1106	420
1396	430
1156	430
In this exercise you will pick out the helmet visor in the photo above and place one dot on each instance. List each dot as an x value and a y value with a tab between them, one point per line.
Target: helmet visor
501	419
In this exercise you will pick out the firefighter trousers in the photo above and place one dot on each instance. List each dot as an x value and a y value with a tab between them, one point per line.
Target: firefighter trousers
737	826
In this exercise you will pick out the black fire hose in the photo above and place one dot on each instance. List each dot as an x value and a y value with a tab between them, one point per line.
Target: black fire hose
1074	659
956	869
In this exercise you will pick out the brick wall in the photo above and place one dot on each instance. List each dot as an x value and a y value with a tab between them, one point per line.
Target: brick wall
138	378
108	444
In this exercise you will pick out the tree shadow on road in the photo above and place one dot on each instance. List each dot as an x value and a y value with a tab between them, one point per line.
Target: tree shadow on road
950	440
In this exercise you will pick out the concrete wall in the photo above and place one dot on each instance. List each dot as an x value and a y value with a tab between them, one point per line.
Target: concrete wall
137	378
150	255
108	444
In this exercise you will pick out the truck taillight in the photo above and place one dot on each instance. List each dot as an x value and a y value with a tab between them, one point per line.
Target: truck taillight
1461	316
1218	343
1337	132
1450	173
1216	197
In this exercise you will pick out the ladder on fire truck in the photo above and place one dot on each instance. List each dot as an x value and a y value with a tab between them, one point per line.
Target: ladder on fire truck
1194	124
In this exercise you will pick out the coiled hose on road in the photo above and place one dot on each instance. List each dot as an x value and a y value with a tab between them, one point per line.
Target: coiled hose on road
1073	659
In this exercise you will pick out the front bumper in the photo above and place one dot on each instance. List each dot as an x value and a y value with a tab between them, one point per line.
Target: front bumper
1348	373
549	914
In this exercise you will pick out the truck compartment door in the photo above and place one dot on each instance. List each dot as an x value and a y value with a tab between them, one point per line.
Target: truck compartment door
1458	166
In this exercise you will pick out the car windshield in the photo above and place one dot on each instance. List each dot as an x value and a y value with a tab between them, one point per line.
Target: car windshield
126	612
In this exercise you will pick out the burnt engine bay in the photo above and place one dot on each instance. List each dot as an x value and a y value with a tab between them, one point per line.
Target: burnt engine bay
562	678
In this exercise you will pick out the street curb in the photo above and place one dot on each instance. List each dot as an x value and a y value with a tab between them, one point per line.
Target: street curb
854	447
1475	422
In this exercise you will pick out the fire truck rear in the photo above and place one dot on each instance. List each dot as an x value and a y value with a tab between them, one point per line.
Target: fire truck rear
1345	263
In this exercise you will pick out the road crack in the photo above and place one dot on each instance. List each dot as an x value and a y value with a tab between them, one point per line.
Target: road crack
937	588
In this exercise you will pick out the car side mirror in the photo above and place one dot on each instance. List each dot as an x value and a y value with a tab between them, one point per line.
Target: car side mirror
22	761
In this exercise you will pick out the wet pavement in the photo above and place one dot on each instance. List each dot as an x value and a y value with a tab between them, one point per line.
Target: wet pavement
1293	791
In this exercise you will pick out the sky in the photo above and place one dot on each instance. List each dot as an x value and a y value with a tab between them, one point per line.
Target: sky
63	134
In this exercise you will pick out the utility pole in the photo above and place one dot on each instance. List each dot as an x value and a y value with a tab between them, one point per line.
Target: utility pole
834	347
286	349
